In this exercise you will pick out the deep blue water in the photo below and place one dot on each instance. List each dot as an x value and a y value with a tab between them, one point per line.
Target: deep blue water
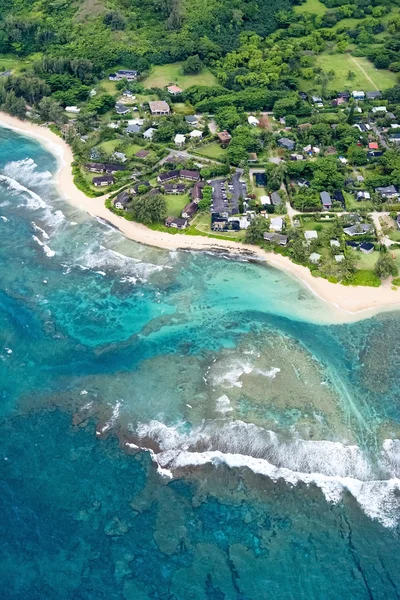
179	425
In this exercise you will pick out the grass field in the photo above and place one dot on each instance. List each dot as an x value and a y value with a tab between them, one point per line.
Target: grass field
353	204
109	146
314	7
163	75
367	78
10	63
175	204
212	150
366	261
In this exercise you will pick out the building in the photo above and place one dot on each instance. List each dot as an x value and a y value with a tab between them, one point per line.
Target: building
311	235
179	139
72	109
197	191
358	95
148	134
379	109
253	121
94	167
133	129
276	199
339	258
374	153
176	222
142	154
159	107
190	175
344	95
224	137
163	177
334	244
192	120
395	138
121	109
276	238
189	210
103	181
373	146
196	134
253	158
363	195
111	168
326	200
388	192
122	74
120	156
358	229
128	94
135	188
316	100
276	224
174	188
286	143
338	197
174	90
367	247
122	200
373	95
314	258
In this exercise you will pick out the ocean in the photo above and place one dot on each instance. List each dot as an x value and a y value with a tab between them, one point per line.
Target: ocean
181	425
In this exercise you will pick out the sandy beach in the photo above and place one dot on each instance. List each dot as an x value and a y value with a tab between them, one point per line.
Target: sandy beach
350	303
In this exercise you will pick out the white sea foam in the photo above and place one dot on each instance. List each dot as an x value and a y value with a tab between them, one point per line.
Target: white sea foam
39	229
332	466
26	171
34	201
48	251
113	419
223	404
3	218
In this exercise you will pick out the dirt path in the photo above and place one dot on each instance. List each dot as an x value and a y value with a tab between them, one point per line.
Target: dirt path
363	71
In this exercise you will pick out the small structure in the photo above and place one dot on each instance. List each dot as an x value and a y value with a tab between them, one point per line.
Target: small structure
314	258
326	200
159	107
253	158
179	140
121	109
338	197
224	137
148	134
174	188
379	109
334	244
133	129
192	120
373	146
196	134
174	90
120	156
343	160
276	199
128	94
286	143
367	247
388	192
72	109
189	210
363	195
189	175
276	224
122	200
176	222
296	157
253	121
276	238
358	229
265	200
358	95
311	235
123	74
339	257
103	181
316	99
142	154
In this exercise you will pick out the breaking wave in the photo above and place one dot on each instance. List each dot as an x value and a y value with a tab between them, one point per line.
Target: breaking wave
25	171
331	466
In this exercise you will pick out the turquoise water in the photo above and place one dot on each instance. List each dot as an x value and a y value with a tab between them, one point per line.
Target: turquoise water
180	425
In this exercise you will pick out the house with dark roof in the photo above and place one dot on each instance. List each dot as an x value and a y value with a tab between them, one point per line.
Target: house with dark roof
122	200
286	143
133	128
111	168
326	200
373	95
163	177
123	74
189	210
142	154
103	181
367	247
276	238
197	191
190	175
338	197
276	199
174	188
121	109
135	188
94	167
224	137
192	120
387	192
176	222
358	229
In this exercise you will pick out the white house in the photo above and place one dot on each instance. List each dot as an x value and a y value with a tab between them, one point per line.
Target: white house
358	95
315	258
119	156
179	139
276	224
196	134
72	109
311	235
253	121
379	109
148	134
265	200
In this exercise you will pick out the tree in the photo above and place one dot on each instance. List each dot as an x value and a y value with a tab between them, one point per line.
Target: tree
351	75
14	106
149	209
356	155
192	65
385	266
255	231
50	110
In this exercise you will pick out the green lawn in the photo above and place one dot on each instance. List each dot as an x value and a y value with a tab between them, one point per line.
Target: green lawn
212	150
11	63
132	149
353	204
315	7
366	261
176	203
341	64
109	146
163	75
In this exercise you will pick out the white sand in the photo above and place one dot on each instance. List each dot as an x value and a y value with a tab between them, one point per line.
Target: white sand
349	303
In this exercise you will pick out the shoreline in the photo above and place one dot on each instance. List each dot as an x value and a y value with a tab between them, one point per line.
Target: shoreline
349	303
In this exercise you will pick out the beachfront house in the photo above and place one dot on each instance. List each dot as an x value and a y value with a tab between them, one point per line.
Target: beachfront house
276	224
122	200
314	258
276	238
189	210
94	167
176	222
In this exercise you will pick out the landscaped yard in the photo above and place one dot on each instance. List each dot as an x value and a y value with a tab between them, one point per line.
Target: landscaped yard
367	77
109	146
163	75
366	261
212	150
353	204
176	203
315	7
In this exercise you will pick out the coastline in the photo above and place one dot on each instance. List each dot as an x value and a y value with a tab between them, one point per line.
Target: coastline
349	303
